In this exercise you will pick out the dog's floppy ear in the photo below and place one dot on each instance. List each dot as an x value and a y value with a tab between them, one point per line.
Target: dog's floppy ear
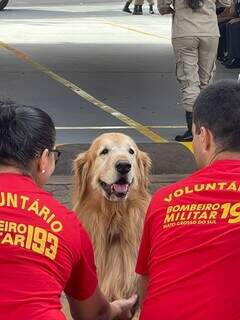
144	163
81	167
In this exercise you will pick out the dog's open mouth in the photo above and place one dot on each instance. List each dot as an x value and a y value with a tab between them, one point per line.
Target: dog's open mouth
120	188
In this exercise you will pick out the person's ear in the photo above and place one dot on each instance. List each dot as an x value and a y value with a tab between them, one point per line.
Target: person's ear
43	162
206	139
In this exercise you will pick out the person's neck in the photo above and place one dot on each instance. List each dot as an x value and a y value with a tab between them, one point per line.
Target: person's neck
225	155
10	169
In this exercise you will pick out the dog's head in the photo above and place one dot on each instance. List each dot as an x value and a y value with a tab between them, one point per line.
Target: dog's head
113	167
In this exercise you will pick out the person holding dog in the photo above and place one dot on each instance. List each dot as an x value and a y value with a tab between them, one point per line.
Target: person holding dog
44	250
189	256
195	36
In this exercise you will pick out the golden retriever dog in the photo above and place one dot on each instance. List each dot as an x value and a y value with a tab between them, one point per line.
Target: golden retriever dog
111	198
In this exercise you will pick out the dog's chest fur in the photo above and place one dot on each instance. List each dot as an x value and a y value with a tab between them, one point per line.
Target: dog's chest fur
115	232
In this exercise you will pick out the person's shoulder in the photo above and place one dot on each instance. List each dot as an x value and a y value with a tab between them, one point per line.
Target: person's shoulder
160	198
160	193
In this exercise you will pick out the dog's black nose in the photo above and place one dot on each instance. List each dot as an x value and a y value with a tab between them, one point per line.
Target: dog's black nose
123	167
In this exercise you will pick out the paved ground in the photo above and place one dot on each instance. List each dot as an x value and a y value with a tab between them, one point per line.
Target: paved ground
124	61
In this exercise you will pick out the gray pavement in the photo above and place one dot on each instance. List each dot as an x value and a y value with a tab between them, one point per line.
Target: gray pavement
124	61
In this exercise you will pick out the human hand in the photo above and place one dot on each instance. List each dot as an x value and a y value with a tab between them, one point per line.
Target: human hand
122	309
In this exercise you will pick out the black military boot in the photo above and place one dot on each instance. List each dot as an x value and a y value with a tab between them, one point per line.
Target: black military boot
126	7
151	11
137	9
187	136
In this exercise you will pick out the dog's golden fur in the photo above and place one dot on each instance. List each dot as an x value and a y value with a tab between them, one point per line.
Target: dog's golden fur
114	225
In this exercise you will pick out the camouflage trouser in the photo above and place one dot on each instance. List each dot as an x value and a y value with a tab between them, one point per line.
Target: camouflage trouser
141	2
195	65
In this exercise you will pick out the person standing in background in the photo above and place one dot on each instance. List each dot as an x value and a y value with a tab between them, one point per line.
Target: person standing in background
223	18
232	40
195	37
138	7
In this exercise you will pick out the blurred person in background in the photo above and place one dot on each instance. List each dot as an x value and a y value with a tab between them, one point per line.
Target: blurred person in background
232	54
195	36
138	7
225	15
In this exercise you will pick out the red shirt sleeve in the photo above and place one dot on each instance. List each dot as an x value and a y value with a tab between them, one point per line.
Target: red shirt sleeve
145	247
83	280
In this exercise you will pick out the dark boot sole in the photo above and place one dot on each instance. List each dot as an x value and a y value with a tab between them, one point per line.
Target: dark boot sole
186	137
127	10
178	139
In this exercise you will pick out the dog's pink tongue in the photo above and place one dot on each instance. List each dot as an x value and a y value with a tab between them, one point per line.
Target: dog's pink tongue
121	188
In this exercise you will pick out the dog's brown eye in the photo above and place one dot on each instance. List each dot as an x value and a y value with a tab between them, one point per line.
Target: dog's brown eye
131	151
104	151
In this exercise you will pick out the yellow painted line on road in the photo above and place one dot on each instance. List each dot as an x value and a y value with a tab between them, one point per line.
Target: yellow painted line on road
188	145
136	30
83	94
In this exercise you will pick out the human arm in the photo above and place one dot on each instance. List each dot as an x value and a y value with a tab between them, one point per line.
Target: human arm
224	3
143	284
142	266
85	299
234	20
97	307
227	14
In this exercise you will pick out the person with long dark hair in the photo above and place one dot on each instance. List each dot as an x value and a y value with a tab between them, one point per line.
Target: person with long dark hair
44	250
195	36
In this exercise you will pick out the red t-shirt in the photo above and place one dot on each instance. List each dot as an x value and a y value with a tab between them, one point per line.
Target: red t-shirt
43	251
190	248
